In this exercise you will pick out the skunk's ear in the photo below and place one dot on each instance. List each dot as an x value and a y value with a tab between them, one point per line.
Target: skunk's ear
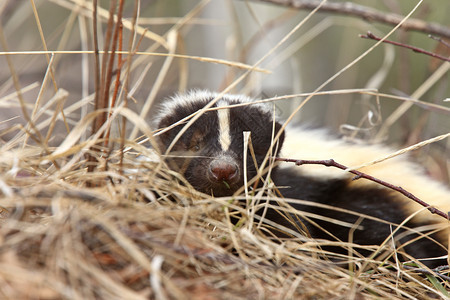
281	139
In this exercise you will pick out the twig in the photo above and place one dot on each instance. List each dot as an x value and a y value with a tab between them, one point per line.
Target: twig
433	272
440	40
103	90
106	70
332	163
371	36
366	13
117	42
91	159
127	77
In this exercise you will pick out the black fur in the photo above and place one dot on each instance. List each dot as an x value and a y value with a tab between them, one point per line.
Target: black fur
199	146
373	201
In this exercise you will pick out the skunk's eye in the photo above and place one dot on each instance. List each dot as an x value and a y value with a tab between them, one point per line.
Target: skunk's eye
195	147
196	142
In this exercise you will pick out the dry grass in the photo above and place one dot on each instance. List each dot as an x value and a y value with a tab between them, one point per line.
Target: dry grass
127	239
138	232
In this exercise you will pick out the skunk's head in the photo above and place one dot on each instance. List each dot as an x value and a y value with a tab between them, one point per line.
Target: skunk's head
210	152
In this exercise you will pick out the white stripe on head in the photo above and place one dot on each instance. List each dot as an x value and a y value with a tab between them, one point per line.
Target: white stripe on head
224	126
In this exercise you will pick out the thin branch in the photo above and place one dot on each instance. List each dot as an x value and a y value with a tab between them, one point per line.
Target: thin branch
371	36
367	13
127	77
91	159
107	65
116	42
440	40
332	163
433	272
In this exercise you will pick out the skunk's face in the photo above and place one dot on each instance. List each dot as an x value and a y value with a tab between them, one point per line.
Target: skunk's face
210	152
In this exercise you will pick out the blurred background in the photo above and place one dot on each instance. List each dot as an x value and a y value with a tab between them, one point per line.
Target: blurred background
239	31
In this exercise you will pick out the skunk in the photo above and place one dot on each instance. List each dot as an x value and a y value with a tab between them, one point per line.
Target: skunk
206	145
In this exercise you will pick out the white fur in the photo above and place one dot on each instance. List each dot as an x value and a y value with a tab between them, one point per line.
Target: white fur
224	126
169	105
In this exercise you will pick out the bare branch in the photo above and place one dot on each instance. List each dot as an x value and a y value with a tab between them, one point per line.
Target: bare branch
367	13
433	272
332	163
371	36
440	40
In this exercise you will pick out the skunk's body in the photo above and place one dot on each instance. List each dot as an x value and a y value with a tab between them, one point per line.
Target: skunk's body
209	153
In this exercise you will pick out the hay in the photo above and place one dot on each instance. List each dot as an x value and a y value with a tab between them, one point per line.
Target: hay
130	228
140	236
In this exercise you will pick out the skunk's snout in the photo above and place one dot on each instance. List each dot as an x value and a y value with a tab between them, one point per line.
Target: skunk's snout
224	169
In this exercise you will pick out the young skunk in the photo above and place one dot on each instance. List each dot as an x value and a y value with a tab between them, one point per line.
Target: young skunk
209	153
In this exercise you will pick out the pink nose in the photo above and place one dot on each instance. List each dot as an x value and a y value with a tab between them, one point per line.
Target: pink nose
223	170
